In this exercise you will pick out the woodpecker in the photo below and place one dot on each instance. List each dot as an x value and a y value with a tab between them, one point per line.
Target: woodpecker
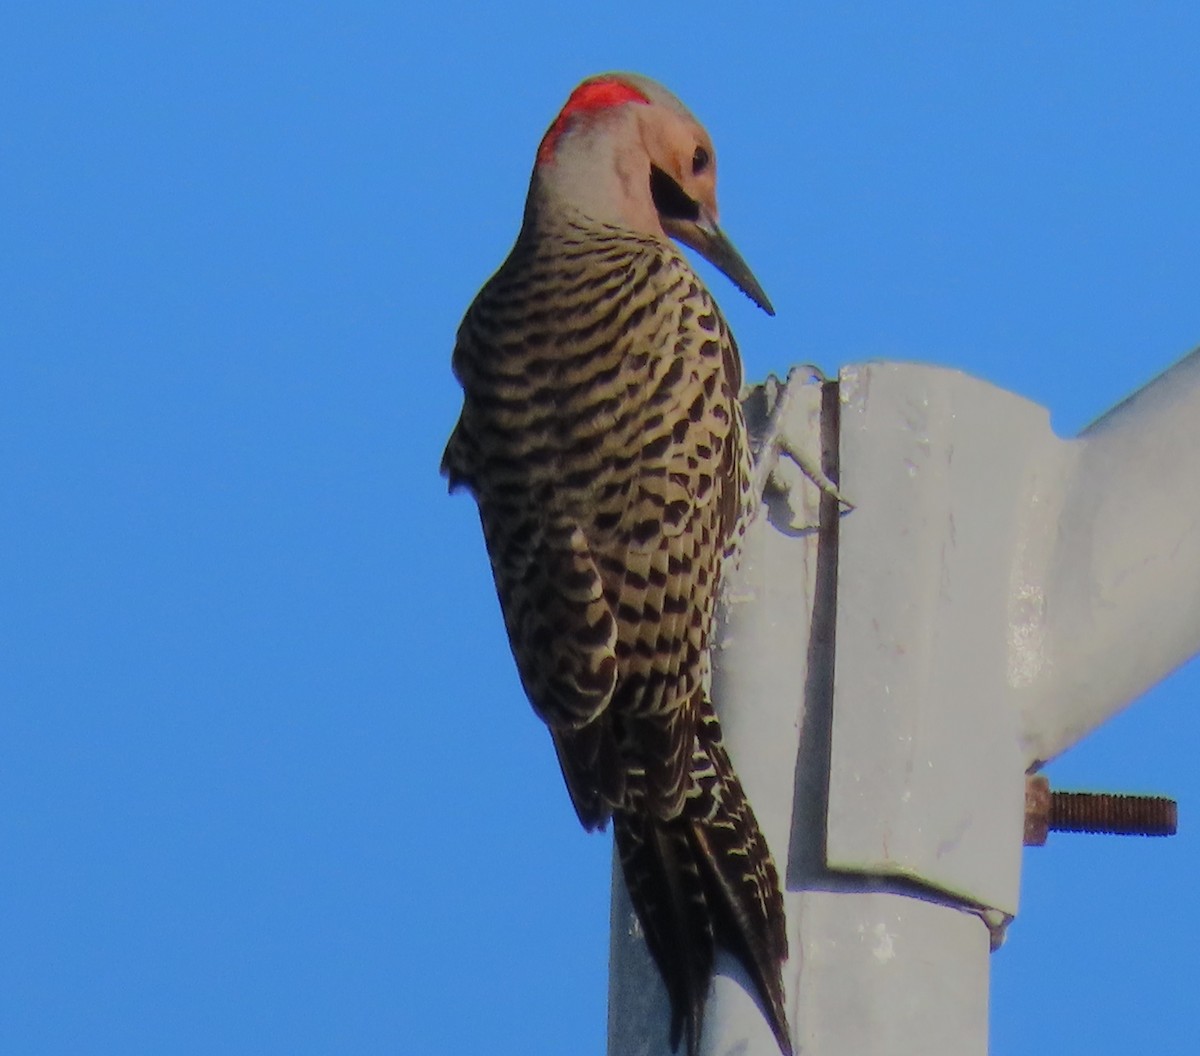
603	441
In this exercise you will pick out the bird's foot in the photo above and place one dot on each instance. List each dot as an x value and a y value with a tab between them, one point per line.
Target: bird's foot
784	435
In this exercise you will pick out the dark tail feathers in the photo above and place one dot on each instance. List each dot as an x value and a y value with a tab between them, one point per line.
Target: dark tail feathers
704	879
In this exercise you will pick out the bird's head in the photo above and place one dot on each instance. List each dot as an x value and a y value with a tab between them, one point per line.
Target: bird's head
623	150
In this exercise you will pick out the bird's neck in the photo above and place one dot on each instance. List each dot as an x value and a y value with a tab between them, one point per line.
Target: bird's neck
605	191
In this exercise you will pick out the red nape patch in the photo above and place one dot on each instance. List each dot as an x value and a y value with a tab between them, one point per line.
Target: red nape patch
589	96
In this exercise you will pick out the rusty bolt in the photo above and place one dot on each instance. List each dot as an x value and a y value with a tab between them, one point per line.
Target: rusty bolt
1047	811
1037	810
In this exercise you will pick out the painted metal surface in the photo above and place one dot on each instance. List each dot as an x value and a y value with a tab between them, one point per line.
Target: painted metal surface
926	776
1119	564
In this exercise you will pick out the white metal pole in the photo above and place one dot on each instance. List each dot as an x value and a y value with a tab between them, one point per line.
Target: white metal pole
885	682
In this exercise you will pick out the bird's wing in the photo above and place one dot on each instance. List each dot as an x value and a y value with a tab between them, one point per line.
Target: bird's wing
659	550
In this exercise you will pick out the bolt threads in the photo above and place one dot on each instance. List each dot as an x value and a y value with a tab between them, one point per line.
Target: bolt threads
1120	815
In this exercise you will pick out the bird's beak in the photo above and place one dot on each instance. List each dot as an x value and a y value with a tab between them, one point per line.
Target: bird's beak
707	239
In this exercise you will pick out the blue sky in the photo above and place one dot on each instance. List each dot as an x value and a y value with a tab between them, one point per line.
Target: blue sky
267	779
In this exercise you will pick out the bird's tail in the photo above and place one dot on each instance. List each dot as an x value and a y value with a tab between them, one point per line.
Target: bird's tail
702	879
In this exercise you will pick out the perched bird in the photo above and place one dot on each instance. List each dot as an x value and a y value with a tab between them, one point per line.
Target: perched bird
602	438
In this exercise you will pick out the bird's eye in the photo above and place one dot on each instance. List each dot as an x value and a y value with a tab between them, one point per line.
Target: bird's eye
700	161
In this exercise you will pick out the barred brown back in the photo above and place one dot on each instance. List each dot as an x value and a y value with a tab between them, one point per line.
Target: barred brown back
602	438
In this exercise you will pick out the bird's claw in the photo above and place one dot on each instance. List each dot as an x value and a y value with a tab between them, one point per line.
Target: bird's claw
782	436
